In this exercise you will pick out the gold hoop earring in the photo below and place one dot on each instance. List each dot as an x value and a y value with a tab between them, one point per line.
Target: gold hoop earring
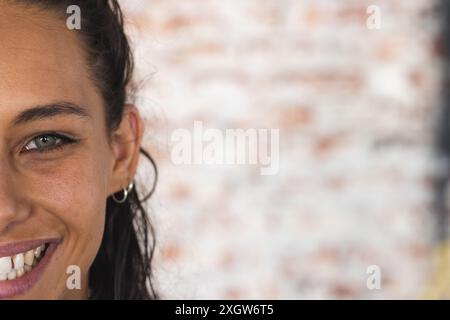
125	191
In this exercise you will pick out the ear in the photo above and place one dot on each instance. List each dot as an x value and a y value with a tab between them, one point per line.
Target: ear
125	143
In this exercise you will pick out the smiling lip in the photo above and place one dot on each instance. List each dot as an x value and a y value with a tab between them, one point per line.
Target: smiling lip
12	288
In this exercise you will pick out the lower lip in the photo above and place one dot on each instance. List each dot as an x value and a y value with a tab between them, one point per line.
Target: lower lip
12	288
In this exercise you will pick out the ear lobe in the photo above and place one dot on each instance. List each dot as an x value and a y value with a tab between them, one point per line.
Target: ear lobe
125	143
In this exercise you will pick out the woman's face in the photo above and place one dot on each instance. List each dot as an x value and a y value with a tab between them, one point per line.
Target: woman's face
57	166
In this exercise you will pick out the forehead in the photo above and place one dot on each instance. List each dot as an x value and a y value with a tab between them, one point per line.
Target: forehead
40	59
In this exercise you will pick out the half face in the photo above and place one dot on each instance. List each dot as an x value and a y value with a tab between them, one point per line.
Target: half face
55	159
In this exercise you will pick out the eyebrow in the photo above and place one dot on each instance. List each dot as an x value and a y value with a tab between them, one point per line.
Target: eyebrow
49	111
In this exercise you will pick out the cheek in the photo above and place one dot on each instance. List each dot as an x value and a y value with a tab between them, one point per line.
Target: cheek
76	196
71	192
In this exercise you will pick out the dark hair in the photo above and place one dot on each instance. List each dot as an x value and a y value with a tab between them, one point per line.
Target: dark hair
122	268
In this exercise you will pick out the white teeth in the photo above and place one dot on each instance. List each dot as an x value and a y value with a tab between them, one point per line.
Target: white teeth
19	261
5	265
38	251
20	272
29	257
12	275
18	265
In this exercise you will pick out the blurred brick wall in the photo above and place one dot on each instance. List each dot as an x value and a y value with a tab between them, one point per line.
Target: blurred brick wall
355	109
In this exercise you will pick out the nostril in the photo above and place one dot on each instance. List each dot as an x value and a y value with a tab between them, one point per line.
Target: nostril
11	216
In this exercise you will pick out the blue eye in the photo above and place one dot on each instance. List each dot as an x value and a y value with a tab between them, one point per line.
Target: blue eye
47	142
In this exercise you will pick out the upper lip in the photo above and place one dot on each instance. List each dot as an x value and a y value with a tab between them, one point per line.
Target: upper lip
24	246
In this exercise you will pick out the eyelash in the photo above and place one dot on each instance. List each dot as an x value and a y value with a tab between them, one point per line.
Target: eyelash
63	141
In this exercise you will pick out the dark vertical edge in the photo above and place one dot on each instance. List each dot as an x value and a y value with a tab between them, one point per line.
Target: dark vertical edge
442	134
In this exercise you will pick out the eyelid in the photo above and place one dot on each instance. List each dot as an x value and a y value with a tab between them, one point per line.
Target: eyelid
66	140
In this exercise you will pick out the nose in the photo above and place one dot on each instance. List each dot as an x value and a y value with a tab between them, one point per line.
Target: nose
12	206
